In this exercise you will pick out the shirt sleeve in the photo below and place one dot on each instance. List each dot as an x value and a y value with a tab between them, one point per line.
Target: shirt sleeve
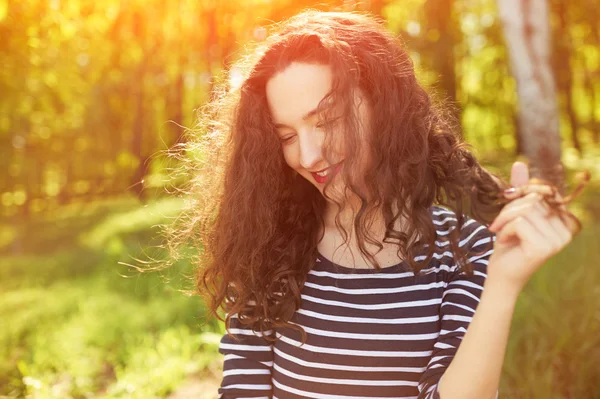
459	301
247	363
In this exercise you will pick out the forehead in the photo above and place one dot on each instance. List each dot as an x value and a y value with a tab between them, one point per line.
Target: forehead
297	90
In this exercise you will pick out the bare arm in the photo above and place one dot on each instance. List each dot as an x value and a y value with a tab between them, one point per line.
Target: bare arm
527	235
476	368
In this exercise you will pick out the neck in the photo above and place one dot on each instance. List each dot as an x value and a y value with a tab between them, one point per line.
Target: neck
376	223
347	253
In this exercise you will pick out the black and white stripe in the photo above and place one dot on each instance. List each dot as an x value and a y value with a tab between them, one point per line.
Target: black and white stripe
370	334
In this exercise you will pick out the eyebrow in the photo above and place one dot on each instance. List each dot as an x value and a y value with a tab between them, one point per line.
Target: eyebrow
308	115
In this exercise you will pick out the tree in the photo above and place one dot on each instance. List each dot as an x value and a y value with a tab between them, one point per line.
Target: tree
563	68
442	34
527	35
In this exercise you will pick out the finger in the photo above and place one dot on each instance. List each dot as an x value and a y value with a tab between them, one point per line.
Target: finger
541	189
561	229
541	219
520	206
537	216
534	246
519	174
571	222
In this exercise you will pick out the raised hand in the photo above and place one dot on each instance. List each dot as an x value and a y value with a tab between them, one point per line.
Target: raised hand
528	230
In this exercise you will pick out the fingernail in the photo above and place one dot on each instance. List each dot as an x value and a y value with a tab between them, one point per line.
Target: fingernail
510	191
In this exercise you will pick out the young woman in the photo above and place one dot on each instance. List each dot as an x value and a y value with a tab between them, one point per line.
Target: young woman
332	211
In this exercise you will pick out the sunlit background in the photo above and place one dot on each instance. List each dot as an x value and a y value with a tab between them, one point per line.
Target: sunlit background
92	94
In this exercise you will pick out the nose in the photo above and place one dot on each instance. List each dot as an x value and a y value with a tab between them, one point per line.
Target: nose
311	149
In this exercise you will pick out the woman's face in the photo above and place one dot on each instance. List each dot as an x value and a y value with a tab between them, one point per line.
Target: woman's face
294	95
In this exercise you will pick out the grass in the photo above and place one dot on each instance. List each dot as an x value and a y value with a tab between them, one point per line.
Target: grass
80	325
77	324
554	346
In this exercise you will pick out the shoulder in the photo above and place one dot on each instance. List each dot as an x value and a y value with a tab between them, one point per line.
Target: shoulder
474	235
445	220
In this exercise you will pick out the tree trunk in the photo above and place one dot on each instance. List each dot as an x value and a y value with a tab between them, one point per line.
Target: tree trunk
589	75
563	48
439	17
527	35
212	40
518	135
175	108
137	180
590	87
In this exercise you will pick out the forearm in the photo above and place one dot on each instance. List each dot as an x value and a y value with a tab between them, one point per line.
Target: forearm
475	370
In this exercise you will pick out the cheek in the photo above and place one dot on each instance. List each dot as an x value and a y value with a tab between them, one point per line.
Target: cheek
290	157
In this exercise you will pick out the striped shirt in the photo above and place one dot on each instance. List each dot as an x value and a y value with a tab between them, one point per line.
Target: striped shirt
370	333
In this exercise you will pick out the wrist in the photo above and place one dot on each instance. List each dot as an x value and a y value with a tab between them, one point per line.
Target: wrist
501	286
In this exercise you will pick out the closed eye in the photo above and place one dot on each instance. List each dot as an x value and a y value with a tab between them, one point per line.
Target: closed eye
287	139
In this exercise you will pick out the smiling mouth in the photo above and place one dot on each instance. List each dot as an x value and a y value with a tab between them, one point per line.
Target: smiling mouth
322	175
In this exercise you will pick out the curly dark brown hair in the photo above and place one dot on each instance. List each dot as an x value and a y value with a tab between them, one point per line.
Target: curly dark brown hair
258	222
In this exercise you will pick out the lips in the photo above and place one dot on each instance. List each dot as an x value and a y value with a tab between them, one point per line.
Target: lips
332	169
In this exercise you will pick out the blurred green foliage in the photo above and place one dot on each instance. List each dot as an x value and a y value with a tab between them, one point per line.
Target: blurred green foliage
77	323
92	93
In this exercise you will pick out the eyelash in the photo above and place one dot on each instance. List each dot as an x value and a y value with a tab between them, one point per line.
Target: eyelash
286	140
318	125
